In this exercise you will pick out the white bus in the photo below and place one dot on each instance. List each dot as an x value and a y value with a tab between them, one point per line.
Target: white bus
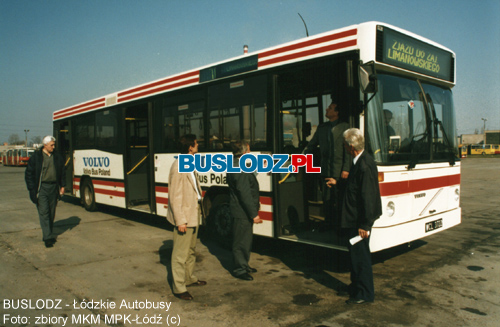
120	147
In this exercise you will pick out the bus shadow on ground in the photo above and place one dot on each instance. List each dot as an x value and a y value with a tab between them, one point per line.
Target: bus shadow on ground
131	215
308	261
304	260
387	254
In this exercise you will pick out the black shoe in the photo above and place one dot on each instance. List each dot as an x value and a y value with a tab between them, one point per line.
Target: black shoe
357	301
48	244
245	276
251	270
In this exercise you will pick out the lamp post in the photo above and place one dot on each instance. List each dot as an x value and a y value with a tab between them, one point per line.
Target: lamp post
484	129
26	131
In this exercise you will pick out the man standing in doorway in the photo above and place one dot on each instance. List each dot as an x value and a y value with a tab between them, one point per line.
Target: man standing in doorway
361	207
335	162
184	211
45	180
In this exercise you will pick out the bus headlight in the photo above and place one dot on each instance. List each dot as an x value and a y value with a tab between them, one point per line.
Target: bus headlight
456	196
390	209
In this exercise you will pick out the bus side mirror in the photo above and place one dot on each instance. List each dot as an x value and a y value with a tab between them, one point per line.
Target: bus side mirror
368	78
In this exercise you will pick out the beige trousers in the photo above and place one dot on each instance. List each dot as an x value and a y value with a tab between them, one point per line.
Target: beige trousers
183	259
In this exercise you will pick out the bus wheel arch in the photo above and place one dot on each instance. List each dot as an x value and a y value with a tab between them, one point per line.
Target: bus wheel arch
87	194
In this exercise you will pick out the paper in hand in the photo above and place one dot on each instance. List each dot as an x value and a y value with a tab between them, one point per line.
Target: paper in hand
356	239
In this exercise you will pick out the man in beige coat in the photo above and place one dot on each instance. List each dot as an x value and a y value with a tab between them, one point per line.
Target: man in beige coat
184	210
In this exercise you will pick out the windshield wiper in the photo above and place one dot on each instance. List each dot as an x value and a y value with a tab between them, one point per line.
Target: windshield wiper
438	123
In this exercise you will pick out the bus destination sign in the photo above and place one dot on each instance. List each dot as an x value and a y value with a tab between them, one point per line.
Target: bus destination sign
406	52
229	68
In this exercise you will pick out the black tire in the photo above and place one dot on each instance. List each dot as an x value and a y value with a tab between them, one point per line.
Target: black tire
220	224
88	196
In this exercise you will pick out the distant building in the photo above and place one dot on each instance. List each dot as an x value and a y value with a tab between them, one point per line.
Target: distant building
472	138
492	137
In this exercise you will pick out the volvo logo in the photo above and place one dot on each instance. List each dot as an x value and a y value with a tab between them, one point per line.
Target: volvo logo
96	161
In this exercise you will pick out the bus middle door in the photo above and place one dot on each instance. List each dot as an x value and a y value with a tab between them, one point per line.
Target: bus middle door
138	158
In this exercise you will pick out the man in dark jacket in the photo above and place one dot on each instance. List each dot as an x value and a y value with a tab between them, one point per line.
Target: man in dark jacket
361	207
244	204
45	181
335	161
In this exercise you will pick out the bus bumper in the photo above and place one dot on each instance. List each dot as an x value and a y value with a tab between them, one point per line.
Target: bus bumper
386	237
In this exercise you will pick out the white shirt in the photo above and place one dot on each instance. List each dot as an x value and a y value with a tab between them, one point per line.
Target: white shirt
357	157
196	185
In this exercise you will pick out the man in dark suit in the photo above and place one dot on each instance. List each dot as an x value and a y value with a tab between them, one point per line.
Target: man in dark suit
335	162
45	180
361	207
244	204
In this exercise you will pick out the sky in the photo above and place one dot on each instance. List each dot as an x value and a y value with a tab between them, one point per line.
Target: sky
58	53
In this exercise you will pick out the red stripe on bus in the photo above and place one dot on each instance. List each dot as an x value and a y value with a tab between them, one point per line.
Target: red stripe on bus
168	80
162	200
76	180
307	53
160	89
108	183
80	106
264	215
79	111
163	189
109	192
418	185
309	43
266	200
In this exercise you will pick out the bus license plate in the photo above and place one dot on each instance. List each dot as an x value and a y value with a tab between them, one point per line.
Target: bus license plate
432	225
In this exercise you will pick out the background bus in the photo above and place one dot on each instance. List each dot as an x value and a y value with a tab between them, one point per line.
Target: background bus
482	149
17	157
120	147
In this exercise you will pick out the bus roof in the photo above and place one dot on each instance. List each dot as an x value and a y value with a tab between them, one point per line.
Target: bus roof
320	45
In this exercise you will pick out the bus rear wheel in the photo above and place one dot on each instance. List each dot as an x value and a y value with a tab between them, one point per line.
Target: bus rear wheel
88	196
220	225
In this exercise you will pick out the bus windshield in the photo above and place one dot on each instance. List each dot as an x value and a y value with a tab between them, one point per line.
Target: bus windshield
408	121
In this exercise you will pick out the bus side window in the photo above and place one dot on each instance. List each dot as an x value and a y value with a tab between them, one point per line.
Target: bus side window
85	131
238	110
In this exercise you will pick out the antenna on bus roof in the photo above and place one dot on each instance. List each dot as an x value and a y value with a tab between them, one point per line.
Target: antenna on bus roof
307	33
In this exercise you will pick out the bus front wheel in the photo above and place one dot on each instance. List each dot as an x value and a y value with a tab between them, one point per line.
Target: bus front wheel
88	196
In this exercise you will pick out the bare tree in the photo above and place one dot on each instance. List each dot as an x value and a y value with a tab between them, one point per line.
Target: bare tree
36	140
15	140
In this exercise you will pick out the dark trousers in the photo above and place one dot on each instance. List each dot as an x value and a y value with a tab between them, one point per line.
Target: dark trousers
361	268
47	202
332	202
242	245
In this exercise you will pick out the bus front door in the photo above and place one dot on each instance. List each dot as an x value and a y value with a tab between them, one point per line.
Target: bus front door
137	159
301	208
